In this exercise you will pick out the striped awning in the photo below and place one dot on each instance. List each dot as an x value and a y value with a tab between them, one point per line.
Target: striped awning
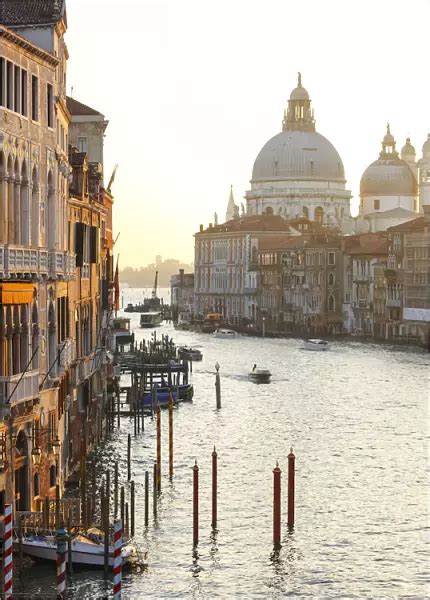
16	293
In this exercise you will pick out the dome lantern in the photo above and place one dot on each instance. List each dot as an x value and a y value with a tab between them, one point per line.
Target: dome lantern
388	145
299	116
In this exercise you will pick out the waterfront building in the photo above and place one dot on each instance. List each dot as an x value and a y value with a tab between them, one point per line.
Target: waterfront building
298	172
389	187
182	295
36	266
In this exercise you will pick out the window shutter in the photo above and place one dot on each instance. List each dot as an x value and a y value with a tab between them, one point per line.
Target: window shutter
93	244
79	244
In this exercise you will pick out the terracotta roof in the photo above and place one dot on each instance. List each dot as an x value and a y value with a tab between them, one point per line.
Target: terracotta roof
369	244
413	225
252	223
77	108
280	242
31	12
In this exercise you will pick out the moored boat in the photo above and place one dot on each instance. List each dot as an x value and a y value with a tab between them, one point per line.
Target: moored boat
315	344
85	551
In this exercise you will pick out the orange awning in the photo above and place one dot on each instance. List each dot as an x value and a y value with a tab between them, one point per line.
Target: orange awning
16	293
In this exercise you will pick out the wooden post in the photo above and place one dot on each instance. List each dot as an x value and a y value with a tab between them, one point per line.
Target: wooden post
108	494
118	418
217	386
214	488
69	547
171	437
122	502
146	498
20	542
61	563
132	508
117	560
154	491
158	448
195	504
277	505
291	486
128	457
127	529
115	491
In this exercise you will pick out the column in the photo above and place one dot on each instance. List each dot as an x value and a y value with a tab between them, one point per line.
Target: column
3	209
25	214
35	216
10	210
17	210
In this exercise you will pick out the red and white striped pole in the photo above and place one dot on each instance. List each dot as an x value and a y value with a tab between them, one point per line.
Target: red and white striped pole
61	563
7	558
117	559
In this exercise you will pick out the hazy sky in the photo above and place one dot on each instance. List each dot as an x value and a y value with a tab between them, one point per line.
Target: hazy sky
193	89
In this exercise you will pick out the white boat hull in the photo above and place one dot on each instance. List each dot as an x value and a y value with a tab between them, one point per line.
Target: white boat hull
226	334
82	554
318	345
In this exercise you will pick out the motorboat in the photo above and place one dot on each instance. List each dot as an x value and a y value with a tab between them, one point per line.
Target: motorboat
86	550
188	353
260	375
315	344
225	333
161	396
150	319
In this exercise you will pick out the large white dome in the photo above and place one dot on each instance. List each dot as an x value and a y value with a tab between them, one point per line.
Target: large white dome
298	155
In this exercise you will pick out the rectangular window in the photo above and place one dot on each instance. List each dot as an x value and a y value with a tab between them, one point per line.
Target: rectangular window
82	144
49	105
9	83
376	204
331	258
17	90
34	98
2	82
24	93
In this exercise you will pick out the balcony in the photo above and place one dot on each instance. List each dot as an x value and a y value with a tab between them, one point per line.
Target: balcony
27	388
65	354
23	261
393	303
61	264
84	368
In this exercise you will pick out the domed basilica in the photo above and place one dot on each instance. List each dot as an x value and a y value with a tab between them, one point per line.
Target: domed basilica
298	172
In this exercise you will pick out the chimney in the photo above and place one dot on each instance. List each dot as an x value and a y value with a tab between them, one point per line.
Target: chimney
201	228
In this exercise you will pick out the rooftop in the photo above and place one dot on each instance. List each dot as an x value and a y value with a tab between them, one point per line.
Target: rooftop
373	244
14	13
254	223
77	108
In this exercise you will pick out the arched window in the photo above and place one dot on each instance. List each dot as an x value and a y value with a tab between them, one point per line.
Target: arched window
35	220
331	279
269	211
319	214
305	212
25	206
331	303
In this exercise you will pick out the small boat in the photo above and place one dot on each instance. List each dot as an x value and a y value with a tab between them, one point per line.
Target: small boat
188	353
85	551
315	344
225	333
181	393
260	375
150	319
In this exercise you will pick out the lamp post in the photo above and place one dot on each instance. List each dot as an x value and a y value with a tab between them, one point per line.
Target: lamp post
264	326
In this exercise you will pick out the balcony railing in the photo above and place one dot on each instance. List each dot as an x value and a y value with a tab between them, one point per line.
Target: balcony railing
26	389
65	354
25	261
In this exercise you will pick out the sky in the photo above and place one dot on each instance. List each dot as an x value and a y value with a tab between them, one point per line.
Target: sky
193	89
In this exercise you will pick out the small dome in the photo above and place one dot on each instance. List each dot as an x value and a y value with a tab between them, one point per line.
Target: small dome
426	146
299	92
388	137
298	155
408	149
388	177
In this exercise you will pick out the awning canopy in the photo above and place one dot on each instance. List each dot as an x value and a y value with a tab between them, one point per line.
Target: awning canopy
16	293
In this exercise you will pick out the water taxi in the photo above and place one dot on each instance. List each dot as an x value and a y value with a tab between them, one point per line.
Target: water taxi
315	344
225	333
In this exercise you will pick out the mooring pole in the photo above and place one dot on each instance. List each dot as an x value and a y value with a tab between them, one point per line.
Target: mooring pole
170	437
61	563
195	504
158	448
132	508
117	560
217	386
7	553
154	491
122	502
128	457
115	491
291	485
277	505
214	488
146	498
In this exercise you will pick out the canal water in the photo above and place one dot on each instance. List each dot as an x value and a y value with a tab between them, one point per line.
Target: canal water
357	418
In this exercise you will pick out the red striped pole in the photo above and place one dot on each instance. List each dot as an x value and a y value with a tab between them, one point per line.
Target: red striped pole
291	485
61	563
277	505
117	559
171	437
195	504
7	559
158	413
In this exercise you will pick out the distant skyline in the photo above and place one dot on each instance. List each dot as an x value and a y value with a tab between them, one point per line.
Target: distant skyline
192	91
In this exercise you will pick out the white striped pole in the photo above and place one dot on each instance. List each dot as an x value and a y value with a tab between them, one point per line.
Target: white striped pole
7	558
61	563
117	559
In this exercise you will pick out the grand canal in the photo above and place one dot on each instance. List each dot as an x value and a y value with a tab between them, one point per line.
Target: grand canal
357	417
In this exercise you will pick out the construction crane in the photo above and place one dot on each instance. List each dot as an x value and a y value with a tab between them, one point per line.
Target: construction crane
154	289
